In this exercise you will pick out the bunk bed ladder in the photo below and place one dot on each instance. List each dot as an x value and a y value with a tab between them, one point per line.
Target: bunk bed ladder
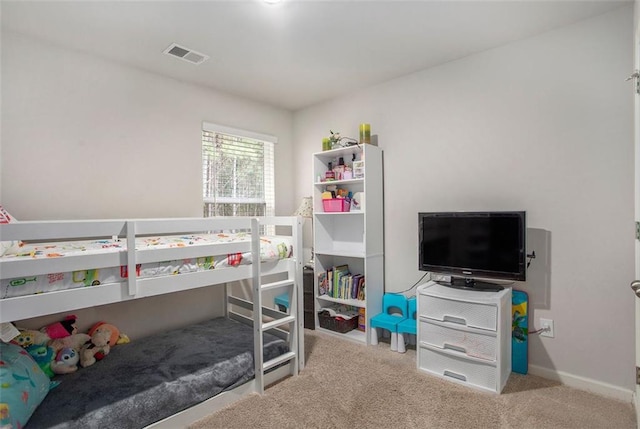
278	319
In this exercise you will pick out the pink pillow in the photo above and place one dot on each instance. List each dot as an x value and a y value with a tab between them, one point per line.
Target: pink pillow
6	246
5	217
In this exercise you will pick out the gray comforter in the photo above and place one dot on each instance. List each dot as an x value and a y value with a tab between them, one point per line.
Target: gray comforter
154	377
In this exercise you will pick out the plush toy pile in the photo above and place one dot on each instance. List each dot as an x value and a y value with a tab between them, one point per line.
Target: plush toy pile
56	349
60	349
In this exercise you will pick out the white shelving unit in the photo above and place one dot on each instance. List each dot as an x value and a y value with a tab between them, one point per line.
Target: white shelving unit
465	336
355	237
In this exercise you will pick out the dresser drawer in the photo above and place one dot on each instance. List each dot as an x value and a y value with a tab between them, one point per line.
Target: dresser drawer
465	313
447	336
471	372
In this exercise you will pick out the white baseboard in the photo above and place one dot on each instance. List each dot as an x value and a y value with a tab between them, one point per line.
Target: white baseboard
582	383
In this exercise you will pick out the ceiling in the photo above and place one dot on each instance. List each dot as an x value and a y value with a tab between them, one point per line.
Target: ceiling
295	53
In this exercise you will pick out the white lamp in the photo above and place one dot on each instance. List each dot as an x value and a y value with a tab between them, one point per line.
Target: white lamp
306	210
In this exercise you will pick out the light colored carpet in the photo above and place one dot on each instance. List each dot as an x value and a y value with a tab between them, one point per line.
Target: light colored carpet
348	385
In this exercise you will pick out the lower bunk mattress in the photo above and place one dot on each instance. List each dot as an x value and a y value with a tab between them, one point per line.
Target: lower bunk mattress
152	378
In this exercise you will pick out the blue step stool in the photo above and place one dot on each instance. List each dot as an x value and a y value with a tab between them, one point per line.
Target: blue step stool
408	325
394	311
282	301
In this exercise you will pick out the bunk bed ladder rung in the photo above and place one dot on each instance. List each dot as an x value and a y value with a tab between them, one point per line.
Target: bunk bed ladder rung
280	359
277	284
278	322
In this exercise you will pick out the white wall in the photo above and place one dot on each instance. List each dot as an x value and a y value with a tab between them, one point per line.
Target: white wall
542	125
86	138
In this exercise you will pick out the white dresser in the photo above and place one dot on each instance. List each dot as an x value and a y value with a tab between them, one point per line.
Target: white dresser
465	336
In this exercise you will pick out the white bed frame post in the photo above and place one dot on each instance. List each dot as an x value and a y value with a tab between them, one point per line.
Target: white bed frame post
131	258
258	349
298	291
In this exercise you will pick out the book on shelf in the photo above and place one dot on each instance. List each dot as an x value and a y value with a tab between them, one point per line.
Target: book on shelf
339	272
362	319
355	282
322	283
338	282
361	287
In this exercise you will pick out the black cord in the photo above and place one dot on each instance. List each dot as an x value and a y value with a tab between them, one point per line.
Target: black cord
538	331
414	285
531	257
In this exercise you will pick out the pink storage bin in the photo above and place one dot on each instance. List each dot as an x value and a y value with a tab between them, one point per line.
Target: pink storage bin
336	205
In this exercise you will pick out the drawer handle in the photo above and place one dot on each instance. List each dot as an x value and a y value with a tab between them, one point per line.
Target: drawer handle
456	348
453	319
454	375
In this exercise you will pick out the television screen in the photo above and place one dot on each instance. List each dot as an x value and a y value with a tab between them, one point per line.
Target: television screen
473	244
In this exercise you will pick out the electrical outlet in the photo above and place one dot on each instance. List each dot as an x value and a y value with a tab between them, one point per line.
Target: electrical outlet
547	328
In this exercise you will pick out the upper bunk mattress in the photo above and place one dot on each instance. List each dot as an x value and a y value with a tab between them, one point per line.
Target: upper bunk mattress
149	379
271	248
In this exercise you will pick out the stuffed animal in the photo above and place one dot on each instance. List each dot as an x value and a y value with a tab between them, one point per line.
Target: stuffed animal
75	341
116	336
97	348
43	355
66	361
29	337
62	329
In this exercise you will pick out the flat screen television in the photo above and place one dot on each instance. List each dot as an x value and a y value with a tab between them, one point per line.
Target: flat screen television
473	245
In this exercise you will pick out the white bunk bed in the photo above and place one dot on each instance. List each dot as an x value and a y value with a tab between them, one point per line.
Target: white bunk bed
129	234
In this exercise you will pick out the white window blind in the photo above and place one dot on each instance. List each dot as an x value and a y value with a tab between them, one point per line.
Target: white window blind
237	172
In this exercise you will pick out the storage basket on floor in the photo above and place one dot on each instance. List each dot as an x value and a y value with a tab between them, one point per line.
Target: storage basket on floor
336	205
337	324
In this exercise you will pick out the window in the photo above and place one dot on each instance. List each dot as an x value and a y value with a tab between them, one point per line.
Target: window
237	172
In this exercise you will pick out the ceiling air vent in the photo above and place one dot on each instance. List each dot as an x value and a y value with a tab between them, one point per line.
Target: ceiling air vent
186	54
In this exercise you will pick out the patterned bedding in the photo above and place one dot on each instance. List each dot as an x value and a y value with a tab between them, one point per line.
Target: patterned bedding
271	248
